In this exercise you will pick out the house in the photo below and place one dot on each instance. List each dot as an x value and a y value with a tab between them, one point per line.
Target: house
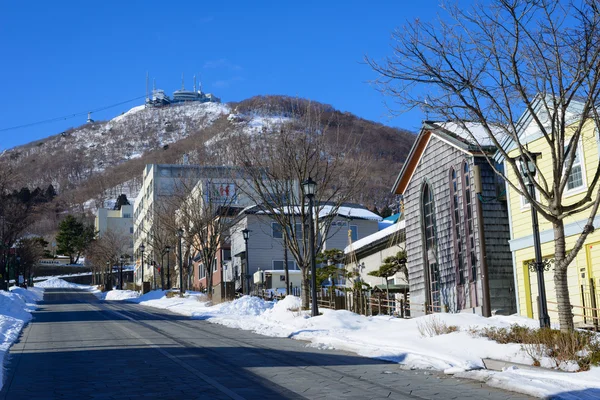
457	227
266	247
583	274
367	254
118	221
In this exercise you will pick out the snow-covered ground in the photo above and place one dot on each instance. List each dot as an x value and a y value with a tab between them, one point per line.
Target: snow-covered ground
15	311
398	340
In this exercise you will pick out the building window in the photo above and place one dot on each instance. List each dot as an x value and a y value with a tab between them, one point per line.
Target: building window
575	179
470	234
277	231
201	271
430	256
226	255
126	215
354	232
459	254
278	265
215	265
131	229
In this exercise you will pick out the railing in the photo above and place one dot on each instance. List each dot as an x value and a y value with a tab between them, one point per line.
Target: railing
591	315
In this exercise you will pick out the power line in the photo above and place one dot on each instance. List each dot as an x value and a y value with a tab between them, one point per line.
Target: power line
47	121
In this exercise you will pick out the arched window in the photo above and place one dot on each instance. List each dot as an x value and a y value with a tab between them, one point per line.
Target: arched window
430	250
459	247
470	234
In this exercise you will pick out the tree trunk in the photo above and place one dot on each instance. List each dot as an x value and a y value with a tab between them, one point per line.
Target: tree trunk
305	288
565	314
286	269
209	276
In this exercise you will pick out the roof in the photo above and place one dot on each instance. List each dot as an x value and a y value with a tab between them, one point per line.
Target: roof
394	288
393	218
347	210
375	237
527	128
469	137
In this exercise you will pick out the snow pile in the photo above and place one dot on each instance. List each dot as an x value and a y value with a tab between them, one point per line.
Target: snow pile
15	312
57	283
114	295
246	305
399	340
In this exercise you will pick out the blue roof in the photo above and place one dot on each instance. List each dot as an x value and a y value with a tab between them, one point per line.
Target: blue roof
393	218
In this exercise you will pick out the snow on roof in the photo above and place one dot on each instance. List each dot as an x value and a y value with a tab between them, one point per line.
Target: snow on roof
389	231
470	130
349	212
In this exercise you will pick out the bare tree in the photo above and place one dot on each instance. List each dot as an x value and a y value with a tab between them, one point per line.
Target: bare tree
107	248
287	152
491	63
207	214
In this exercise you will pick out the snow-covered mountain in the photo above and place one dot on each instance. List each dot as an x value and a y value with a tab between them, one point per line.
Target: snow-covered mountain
108	156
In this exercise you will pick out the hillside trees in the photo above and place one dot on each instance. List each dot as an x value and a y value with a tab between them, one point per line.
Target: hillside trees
73	238
283	155
17	212
489	63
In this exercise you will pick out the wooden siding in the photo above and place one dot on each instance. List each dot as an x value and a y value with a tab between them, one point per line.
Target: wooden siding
434	168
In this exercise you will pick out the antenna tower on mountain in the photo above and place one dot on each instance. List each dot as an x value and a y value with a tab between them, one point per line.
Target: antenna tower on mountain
182	84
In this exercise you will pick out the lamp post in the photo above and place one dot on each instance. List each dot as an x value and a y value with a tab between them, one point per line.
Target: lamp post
246	234
168	250
180	235
528	169
310	188
142	248
121	259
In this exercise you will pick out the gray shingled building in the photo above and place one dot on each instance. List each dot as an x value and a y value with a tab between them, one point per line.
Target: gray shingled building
457	226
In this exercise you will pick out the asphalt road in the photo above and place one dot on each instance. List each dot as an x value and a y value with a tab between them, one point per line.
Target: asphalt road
78	347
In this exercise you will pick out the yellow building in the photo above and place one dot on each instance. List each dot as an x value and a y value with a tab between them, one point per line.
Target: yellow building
584	271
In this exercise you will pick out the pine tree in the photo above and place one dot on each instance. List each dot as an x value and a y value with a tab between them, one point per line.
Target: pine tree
121	201
73	238
50	193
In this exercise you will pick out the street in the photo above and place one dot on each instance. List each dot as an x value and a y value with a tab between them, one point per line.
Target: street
78	347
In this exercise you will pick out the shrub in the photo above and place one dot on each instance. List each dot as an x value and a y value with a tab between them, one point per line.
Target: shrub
562	348
434	327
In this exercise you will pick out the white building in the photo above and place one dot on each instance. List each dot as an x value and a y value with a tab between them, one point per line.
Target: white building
163	186
367	254
118	221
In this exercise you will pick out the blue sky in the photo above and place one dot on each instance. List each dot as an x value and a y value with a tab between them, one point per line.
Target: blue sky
67	57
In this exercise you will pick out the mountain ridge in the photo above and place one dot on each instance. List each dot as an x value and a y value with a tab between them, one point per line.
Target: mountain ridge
85	162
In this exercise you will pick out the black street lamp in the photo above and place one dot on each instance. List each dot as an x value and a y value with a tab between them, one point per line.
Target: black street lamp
309	187
528	169
168	250
121	259
180	235
245	276
142	248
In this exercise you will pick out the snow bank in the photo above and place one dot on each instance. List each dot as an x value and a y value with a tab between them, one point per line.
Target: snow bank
57	283
246	305
15	312
113	295
393	339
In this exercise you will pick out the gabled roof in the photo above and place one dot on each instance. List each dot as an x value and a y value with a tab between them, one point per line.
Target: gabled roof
471	140
527	129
